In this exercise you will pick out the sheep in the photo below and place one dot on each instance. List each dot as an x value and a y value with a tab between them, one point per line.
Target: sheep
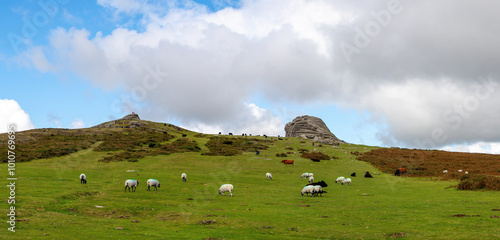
306	175
445	171
460	170
131	184
339	180
317	189
311	179
153	183
83	179
307	190
184	177
226	188
346	181
269	176
466	172
321	183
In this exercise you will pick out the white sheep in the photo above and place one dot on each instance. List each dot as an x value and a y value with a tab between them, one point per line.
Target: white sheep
346	181
306	175
307	189
339	180
311	179
153	183
269	176
445	171
466	172
226	188
184	177
460	170
317	189
83	179
131	184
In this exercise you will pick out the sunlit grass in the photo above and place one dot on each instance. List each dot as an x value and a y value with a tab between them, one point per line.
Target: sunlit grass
52	202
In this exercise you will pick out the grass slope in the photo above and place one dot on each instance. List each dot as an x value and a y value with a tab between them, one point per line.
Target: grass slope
52	204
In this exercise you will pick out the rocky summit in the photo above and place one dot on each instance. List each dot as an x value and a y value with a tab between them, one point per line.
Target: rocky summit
129	121
313	128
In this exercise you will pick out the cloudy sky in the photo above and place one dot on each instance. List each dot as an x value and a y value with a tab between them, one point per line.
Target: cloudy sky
419	74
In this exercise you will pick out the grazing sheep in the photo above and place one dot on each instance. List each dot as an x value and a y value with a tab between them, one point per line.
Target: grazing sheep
339	180
466	172
153	183
353	174
460	170
445	171
184	177
306	175
83	179
269	176
226	188
307	189
311	179
317	189
131	184
346	181
368	175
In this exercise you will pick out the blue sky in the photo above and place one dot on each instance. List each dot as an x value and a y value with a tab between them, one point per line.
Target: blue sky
385	73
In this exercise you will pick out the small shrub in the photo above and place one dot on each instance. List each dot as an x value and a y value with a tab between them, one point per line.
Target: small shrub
478	182
315	155
281	155
303	150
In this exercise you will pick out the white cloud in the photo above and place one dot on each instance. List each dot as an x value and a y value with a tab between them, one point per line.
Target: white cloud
77	123
479	147
126	6
38	59
251	119
12	113
415	75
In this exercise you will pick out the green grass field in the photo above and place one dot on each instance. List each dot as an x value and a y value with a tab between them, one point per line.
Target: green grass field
52	204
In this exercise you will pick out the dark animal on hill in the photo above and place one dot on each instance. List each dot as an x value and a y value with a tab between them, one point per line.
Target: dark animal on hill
368	175
353	174
315	160
286	162
400	171
321	183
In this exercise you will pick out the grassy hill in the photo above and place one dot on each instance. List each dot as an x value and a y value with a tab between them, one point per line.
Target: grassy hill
51	203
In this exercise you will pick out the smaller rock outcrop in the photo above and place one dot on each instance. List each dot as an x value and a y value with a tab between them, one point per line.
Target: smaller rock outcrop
132	116
309	127
129	121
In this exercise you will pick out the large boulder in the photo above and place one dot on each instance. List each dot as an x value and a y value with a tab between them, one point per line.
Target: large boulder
313	128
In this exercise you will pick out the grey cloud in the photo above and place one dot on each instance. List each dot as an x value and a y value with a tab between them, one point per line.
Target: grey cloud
428	57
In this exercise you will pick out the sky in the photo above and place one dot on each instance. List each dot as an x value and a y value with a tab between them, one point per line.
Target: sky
412	74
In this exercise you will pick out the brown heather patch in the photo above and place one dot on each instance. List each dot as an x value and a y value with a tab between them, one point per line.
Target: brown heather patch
483	169
230	146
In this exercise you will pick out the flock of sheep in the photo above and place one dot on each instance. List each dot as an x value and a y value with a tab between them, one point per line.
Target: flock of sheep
131	184
446	171
312	188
